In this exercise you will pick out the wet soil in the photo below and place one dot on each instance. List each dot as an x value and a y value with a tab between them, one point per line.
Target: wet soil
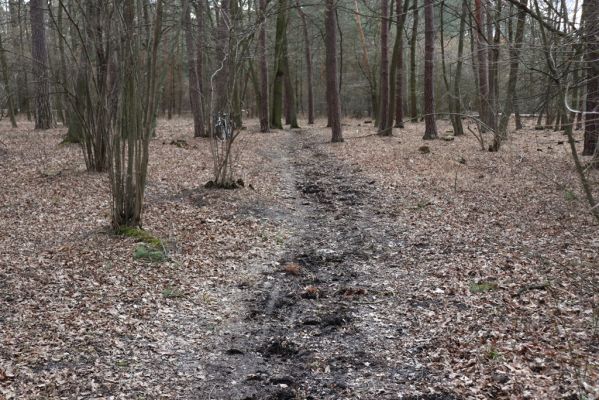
327	330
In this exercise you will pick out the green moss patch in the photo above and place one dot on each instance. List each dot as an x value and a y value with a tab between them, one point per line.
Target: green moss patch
141	235
148	253
483	287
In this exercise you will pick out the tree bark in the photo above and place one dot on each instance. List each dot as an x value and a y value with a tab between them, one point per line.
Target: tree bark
512	80
277	93
221	97
308	55
591	38
39	56
5	80
195	94
397	70
413	101
384	126
483	74
493	54
263	106
291	107
456	96
430	130
365	65
333	101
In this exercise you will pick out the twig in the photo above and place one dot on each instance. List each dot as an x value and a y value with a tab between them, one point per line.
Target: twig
534	286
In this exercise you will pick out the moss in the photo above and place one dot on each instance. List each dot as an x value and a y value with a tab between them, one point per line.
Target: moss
69	140
482	287
172	293
148	253
141	235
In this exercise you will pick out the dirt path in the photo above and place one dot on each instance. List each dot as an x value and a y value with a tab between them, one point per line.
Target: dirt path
332	326
416	277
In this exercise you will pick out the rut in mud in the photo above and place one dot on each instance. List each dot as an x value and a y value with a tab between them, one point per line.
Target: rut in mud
315	328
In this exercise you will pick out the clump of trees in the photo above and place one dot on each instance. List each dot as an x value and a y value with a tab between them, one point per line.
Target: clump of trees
390	61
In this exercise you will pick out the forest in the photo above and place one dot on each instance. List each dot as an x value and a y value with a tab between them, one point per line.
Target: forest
299	199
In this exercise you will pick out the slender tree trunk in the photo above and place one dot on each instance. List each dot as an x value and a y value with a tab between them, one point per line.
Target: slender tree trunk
195	95
483	75
221	99
291	107
517	116
333	101
413	102
384	126
514	53
591	38
396	71
24	90
493	54
6	81
308	55
39	56
365	64
430	130
263	106
263	66
63	64
277	94
443	63
456	120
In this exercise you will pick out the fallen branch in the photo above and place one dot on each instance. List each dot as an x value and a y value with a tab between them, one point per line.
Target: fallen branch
534	286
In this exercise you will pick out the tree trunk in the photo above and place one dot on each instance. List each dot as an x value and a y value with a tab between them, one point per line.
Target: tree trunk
483	75
221	99
277	93
384	126
518	118
291	107
493	54
430	130
591	38
263	106
308	55
136	116
365	65
514	53
5	80
456	97
413	102
333	101
63	64
39	57
396	72
195	95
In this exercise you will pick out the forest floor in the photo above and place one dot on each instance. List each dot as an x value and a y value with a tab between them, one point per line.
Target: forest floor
369	269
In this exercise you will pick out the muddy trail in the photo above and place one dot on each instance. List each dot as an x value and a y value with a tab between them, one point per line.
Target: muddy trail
326	321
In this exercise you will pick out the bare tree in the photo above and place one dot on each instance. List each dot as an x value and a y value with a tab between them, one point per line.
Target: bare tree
430	131
263	106
279	71
396	77
591	55
514	52
39	56
369	72
135	117
6	82
195	92
308	55
384	126
482	61
413	101
333	101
